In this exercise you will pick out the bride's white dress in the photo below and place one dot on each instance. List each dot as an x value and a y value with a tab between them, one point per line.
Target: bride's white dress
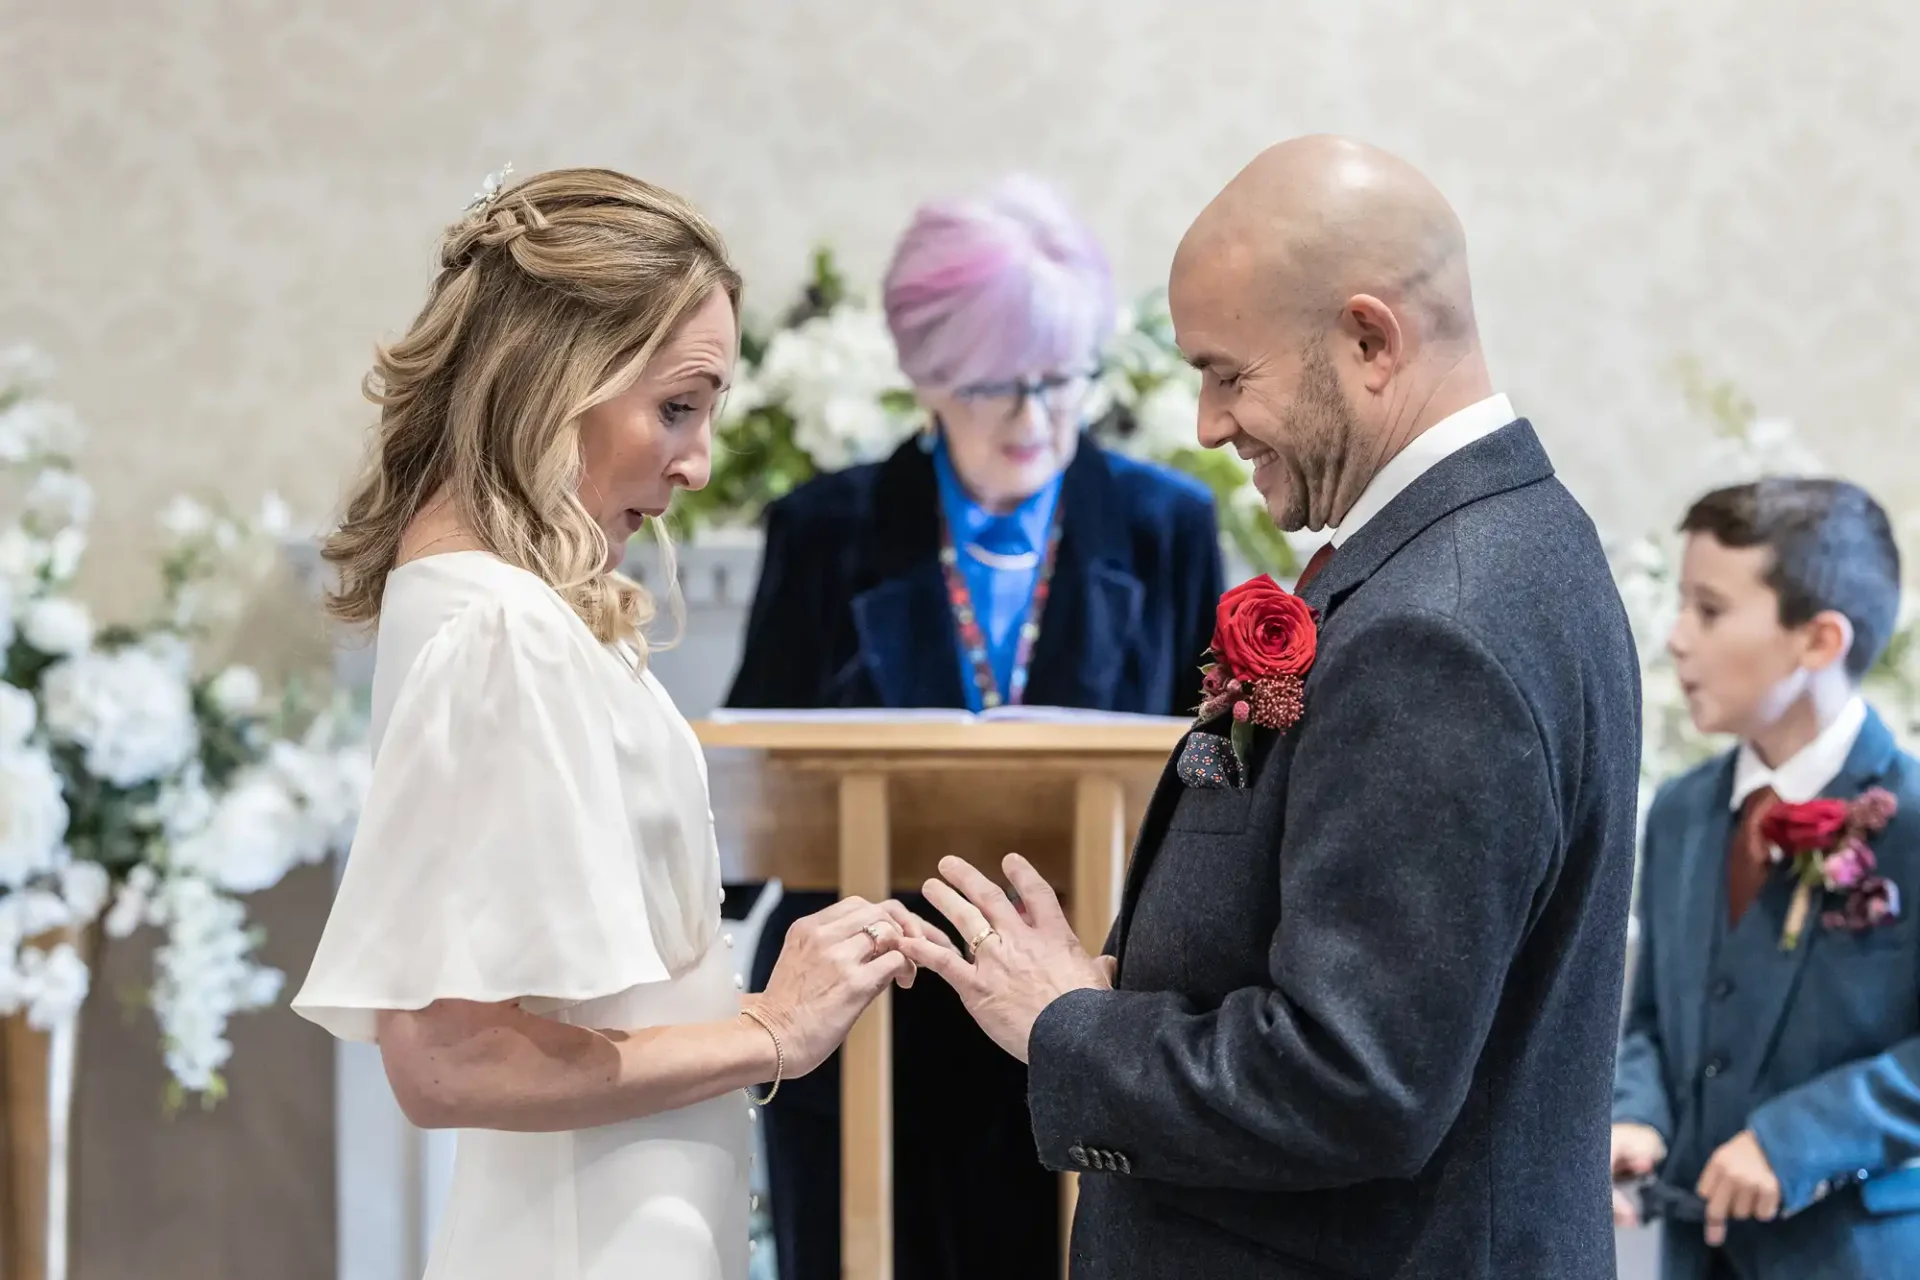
538	829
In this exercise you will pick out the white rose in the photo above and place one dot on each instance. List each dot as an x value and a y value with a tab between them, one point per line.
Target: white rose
275	517
846	430
255	836
184	805
18	715
129	710
1166	419
59	498
745	395
58	626
21	558
263	987
329	787
19	433
184	518
57	982
172	652
236	691
134	904
64	553
24	367
85	886
35	911
830	373
33	814
13	983
32	428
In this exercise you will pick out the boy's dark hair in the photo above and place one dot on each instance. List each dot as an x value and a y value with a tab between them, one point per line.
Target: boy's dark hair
1832	545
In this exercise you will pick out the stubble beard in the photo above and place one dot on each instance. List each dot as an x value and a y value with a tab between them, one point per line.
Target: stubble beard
1321	427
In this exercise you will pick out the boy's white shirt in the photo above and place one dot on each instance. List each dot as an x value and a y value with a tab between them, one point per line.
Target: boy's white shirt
1804	775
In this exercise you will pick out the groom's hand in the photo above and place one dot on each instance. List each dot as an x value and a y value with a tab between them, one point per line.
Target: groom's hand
1023	957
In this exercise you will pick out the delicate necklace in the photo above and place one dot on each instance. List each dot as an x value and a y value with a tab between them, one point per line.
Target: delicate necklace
434	542
1007	562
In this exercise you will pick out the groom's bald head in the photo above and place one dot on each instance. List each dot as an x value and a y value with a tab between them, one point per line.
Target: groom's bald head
1318	220
1324	294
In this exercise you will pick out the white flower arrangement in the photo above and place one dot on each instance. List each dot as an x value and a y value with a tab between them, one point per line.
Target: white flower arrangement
133	789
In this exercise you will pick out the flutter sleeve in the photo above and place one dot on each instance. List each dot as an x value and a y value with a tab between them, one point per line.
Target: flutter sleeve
493	860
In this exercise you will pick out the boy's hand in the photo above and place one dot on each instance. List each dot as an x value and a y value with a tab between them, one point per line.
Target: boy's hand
1638	1150
1739	1183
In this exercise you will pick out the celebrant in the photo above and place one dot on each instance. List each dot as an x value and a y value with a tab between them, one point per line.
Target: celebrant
1001	557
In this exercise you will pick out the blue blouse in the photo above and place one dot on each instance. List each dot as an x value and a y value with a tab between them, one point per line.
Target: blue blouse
1002	598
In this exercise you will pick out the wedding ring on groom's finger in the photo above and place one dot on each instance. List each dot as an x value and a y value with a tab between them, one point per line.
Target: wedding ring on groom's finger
973	943
876	939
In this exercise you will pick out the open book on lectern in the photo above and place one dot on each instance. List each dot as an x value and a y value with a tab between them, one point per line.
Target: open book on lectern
936	715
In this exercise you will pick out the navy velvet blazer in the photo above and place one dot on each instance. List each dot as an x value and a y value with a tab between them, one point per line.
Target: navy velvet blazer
852	611
1817	1049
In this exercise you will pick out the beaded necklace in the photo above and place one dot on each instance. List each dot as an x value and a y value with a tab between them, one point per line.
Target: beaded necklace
973	638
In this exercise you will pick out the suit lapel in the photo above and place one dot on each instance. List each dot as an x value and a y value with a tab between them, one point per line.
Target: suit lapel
1510	458
906	603
1092	618
1867	764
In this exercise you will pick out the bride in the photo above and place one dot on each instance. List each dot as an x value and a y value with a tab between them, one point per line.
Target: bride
529	921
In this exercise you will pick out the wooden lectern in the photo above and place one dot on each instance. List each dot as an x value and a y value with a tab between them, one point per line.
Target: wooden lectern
869	807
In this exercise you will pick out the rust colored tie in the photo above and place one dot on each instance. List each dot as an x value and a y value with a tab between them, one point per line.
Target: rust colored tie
1315	563
1748	863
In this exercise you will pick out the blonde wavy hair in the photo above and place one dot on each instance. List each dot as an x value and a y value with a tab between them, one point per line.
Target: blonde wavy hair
551	298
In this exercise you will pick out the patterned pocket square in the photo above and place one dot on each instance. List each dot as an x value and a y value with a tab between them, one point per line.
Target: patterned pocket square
1207	763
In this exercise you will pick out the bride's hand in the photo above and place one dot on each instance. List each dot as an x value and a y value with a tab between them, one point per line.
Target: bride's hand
831	966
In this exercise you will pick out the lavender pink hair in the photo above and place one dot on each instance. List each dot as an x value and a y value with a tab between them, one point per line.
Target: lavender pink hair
997	287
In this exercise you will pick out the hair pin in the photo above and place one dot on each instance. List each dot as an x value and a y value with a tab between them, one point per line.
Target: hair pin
490	189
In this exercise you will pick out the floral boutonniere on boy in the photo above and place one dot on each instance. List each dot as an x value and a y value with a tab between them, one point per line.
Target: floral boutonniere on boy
1264	639
1825	841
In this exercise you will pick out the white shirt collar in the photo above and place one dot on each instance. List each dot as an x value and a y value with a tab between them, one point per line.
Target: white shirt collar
1448	436
1810	770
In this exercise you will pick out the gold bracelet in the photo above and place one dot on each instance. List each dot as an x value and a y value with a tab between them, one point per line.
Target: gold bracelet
779	1056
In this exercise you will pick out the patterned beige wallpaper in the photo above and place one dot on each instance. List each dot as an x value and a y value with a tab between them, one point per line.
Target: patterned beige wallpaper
213	207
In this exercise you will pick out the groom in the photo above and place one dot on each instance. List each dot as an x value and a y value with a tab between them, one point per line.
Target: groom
1357	1016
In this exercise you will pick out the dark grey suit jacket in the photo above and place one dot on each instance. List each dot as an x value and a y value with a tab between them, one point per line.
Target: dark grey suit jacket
1367	1006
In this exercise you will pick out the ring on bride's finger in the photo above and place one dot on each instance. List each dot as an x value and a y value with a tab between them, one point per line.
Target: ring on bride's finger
876	935
973	943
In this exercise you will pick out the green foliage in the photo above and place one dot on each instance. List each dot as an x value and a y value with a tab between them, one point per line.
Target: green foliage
1715	399
755	460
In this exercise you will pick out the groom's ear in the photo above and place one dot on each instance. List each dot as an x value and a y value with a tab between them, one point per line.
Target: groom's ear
1372	340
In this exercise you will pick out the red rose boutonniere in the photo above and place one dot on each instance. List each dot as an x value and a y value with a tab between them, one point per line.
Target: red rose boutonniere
1826	843
1264	638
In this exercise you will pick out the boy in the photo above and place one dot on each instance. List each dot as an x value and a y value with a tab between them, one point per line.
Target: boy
1779	1084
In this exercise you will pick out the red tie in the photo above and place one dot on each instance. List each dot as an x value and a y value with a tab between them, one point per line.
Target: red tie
1315	563
1748	860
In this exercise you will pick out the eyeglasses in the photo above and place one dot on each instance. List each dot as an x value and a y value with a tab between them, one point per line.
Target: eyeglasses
1061	395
